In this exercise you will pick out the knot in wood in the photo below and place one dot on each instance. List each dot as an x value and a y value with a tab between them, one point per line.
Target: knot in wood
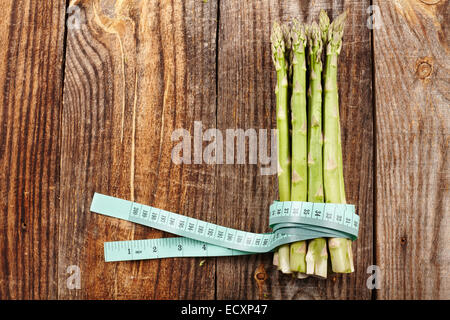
424	68
403	241
260	277
430	1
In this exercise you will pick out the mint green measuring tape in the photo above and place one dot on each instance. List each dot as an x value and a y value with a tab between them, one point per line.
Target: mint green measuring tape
290	221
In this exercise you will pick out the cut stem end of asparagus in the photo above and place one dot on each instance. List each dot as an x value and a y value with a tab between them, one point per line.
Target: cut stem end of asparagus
297	258
283	258
276	261
341	255
302	275
317	258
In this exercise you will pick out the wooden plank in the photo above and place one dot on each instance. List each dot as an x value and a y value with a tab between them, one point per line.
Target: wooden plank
135	72
413	130
246	99
31	99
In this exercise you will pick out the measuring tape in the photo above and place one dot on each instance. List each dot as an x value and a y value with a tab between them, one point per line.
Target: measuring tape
290	221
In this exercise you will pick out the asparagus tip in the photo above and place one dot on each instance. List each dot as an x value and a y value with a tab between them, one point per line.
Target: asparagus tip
324	24
339	22
314	33
323	18
277	40
315	39
298	33
336	28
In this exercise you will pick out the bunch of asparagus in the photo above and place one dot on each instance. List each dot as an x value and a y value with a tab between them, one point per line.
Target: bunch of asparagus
309	137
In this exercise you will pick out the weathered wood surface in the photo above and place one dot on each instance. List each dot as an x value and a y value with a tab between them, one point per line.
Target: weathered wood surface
31	53
95	111
413	130
135	72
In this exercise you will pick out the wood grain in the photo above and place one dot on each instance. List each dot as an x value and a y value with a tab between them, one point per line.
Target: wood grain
95	112
246	99
413	130
135	72
31	51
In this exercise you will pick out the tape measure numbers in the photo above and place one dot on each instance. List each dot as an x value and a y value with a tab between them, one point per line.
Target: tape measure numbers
290	221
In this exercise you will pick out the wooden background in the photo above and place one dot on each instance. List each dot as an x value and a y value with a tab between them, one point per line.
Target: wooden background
92	90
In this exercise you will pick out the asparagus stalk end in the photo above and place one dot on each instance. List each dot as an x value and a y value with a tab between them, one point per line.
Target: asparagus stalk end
317	258
341	256
283	256
297	260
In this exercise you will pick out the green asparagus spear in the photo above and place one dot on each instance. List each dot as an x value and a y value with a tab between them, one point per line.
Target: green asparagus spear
299	134
317	256
315	143
281	91
284	156
340	249
298	109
